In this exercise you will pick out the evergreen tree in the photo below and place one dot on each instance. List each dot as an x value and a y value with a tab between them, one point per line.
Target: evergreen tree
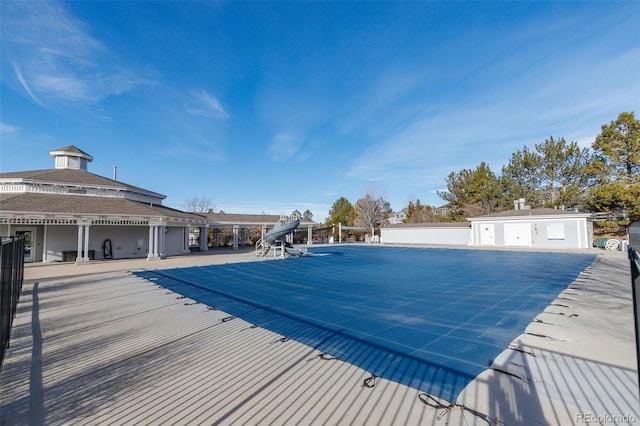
307	215
419	213
342	211
554	174
617	149
562	171
474	192
521	179
616	165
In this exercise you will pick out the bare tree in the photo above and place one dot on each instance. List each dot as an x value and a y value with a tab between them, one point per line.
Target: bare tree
371	210
198	205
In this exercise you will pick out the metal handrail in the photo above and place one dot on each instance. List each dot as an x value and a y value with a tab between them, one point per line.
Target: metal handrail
634	256
634	264
11	278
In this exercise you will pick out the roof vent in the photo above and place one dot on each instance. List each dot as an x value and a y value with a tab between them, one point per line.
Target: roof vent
70	157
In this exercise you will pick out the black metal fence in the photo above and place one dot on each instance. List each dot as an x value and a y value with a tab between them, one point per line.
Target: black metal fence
634	262
11	277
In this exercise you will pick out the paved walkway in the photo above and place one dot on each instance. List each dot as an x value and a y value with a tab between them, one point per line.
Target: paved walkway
94	344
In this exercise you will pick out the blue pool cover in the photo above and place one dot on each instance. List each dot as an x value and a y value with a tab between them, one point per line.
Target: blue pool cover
432	319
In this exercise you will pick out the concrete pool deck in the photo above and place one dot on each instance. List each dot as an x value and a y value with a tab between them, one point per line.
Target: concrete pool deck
94	344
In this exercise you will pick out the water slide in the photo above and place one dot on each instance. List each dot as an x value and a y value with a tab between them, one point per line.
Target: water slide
274	237
280	230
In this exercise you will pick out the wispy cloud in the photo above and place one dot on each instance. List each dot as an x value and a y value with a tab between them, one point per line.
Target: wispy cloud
199	152
7	128
56	59
201	103
24	84
284	146
384	102
491	122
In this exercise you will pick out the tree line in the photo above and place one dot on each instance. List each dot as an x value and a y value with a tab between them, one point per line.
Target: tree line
554	173
204	205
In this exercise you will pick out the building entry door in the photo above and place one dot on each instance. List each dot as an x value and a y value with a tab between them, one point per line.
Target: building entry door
487	234
29	242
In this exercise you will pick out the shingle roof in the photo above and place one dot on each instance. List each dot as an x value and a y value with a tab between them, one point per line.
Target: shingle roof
25	203
430	225
30	202
64	176
530	212
74	176
254	218
258	219
73	149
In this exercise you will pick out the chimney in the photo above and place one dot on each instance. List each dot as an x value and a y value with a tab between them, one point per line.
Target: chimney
115	172
521	202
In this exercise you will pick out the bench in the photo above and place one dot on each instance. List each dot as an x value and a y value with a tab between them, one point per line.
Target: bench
71	256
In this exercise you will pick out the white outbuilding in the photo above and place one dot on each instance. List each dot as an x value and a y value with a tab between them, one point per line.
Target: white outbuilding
522	227
537	228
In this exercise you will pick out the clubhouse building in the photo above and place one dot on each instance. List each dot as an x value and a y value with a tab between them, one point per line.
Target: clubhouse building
69	214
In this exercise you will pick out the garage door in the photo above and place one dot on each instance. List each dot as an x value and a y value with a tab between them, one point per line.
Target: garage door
517	234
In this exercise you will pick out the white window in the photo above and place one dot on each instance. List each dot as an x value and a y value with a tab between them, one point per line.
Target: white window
555	231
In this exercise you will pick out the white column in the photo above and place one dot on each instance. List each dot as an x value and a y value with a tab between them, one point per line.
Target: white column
83	243
235	236
150	253
165	230
204	235
185	242
309	235
86	243
79	247
44	244
264	241
162	229
153	242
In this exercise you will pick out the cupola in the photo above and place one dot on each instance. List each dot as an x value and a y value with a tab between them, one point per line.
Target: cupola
70	157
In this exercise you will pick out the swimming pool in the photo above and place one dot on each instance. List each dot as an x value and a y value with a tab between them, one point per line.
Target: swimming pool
432	319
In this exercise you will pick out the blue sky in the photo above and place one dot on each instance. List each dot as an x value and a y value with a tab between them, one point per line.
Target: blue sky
275	106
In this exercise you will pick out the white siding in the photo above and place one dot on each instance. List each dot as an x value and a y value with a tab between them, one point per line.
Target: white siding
426	235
